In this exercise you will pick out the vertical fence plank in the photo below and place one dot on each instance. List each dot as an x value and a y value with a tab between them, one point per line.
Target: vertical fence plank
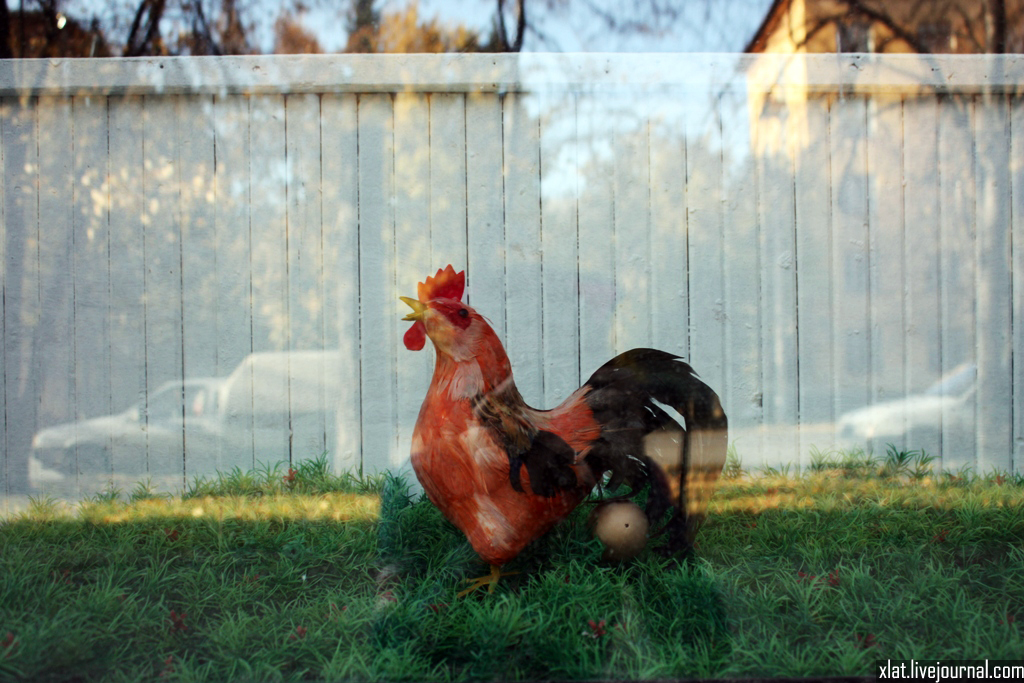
941	267
127	282
412	151
743	301
485	209
704	216
814	277
308	387
271	432
305	248
560	315
164	410
90	339
631	229
886	253
597	254
1017	267
376	282
6	488
59	310
669	311
994	288
851	351
233	276
522	247
923	339
773	139
413	243
447	149
21	285
341	240
198	276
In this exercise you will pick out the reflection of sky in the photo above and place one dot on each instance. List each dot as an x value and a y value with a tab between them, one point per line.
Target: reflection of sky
701	103
698	26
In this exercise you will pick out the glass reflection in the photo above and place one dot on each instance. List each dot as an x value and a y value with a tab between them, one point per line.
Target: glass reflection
829	255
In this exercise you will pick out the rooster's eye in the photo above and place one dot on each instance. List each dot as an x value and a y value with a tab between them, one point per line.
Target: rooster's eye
463	312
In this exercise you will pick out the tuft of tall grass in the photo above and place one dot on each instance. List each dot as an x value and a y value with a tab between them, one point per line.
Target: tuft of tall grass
309	476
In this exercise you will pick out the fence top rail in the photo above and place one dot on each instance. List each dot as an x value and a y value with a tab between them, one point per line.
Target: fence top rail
533	72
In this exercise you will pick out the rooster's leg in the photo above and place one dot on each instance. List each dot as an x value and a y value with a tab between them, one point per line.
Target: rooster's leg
491	580
678	544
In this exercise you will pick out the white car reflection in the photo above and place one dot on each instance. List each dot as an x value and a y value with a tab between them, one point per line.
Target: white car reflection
945	405
273	404
122	441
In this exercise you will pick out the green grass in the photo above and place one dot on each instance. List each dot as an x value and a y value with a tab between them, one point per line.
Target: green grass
302	575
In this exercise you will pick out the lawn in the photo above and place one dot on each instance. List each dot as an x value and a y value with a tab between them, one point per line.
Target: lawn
284	574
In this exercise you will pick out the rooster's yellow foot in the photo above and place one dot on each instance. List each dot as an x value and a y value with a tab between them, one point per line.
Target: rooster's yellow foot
491	580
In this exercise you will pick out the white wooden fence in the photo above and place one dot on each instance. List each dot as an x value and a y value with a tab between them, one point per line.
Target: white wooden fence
815	233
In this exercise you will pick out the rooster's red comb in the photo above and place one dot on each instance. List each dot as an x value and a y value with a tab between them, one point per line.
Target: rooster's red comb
447	284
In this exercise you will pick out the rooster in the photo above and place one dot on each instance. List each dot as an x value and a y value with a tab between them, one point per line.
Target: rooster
505	473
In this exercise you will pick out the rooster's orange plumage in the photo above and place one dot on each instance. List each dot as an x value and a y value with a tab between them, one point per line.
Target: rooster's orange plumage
505	473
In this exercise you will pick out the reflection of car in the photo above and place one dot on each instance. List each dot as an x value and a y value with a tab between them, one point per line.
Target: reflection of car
274	406
277	402
942	406
122	441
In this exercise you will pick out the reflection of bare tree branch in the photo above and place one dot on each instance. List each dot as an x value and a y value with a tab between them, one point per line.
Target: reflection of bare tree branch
857	8
49	10
232	35
881	17
630	25
644	18
813	31
520	24
152	11
544	39
201	29
988	31
516	44
662	17
995	25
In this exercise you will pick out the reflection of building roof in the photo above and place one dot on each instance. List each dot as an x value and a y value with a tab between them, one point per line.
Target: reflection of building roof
768	25
896	26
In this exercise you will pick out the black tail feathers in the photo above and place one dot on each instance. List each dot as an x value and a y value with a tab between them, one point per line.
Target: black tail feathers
632	396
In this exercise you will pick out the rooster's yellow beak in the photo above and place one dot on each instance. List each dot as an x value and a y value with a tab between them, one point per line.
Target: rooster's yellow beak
418	308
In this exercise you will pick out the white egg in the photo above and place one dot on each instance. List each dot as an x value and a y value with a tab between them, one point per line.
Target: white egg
622	527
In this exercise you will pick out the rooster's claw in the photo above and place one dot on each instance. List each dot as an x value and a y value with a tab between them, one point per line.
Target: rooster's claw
491	580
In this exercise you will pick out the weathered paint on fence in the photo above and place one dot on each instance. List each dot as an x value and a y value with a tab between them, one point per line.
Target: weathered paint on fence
813	246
